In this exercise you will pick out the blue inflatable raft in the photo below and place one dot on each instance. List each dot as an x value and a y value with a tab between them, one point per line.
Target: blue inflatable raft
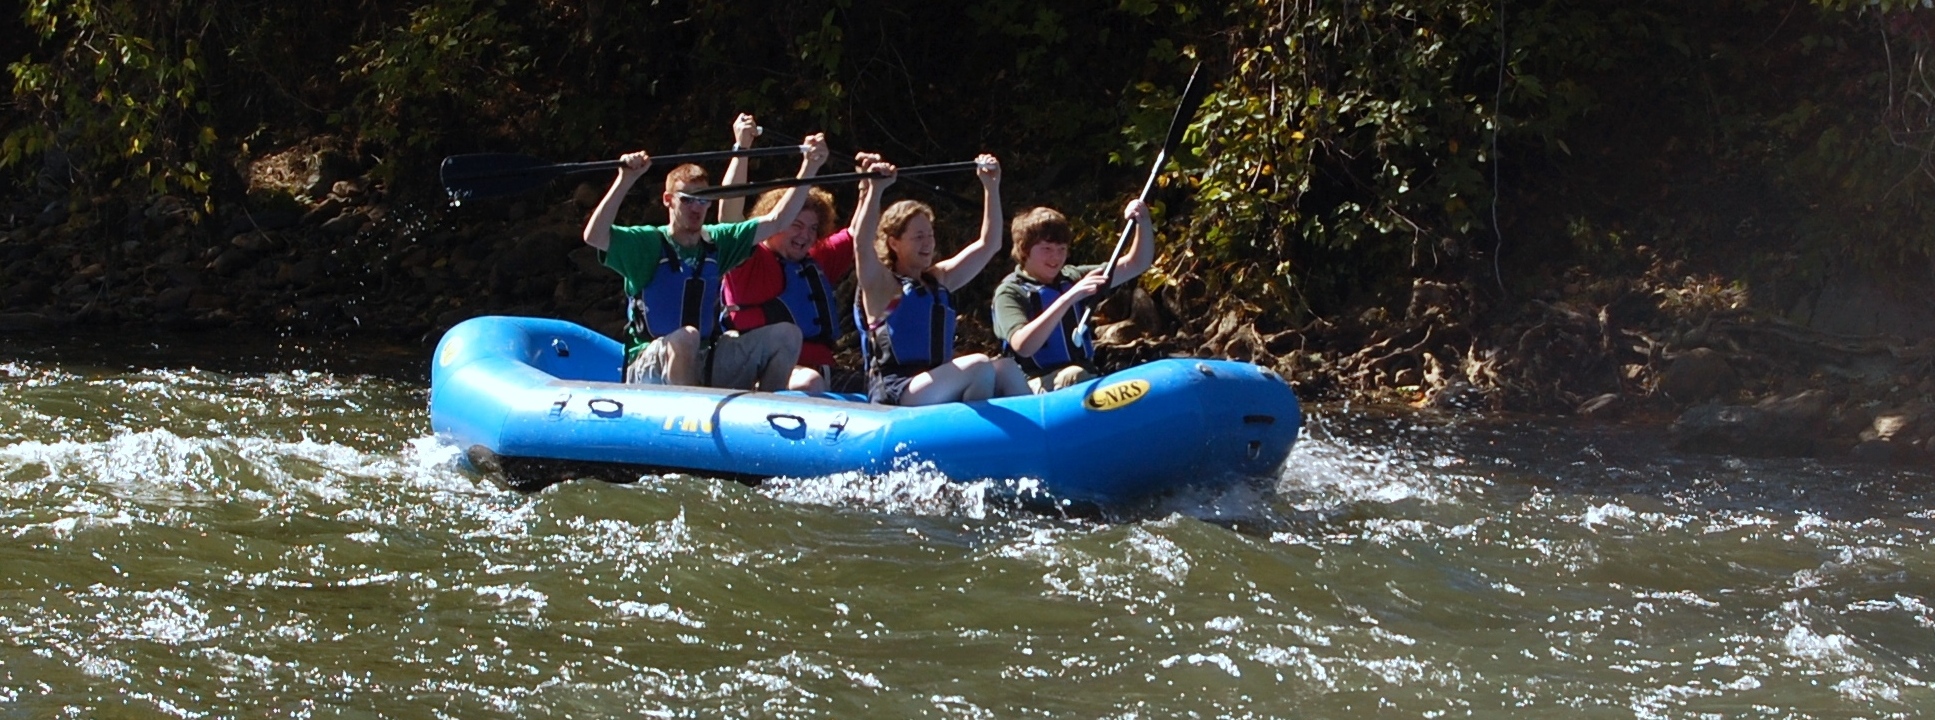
548	390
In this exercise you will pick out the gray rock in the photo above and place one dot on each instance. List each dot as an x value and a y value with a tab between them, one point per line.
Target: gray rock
324	211
1802	413
1456	395
346	224
1791	425
1876	451
1722	429
1698	375
174	298
1609	405
231	261
24	322
331	167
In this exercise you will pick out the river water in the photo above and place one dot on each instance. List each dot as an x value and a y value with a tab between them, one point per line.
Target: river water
213	527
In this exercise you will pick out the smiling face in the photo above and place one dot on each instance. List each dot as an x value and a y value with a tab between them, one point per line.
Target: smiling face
914	246
798	238
1041	239
814	221
906	239
1045	260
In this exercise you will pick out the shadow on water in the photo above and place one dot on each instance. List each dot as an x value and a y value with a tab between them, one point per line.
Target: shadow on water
223	351
1406	455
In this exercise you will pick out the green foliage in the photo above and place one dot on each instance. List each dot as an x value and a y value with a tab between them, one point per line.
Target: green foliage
124	83
1349	136
446	60
1347	147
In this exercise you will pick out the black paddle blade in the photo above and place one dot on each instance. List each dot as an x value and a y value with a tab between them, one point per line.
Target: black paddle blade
484	175
1192	96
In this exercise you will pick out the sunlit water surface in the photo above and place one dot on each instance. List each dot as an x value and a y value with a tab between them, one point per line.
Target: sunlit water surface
270	530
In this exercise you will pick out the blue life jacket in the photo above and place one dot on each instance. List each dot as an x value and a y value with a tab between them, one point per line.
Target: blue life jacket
677	296
1061	349
918	335
806	301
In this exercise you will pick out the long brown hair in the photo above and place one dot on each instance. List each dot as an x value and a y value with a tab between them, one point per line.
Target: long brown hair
894	221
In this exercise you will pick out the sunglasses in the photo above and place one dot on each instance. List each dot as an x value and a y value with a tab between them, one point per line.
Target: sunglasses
692	199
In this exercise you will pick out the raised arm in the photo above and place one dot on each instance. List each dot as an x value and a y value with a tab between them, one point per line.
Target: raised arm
957	271
598	229
876	283
1142	248
862	162
789	205
744	131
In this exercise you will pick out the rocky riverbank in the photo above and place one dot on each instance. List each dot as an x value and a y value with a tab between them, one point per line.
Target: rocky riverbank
322	249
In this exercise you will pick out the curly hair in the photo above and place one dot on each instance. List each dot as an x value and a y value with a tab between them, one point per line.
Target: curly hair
817	199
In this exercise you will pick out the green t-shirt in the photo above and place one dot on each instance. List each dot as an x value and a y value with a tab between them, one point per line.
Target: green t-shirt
1012	309
634	250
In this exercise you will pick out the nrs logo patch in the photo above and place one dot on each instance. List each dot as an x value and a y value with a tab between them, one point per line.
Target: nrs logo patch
1115	395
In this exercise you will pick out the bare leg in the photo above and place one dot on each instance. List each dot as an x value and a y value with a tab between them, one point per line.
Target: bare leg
806	379
682	368
970	377
1009	380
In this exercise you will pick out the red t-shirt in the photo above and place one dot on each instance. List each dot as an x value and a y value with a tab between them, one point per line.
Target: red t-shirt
760	279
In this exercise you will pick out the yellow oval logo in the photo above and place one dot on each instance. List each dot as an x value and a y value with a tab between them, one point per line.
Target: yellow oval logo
451	348
1115	395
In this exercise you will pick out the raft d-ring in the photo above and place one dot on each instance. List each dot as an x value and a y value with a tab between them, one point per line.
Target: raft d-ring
559	346
605	407
786	422
836	428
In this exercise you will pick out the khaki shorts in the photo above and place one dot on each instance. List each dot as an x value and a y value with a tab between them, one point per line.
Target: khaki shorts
649	367
738	359
735	361
1060	379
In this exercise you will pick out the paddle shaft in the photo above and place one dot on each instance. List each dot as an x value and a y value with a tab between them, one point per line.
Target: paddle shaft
578	167
1128	230
931	187
1185	109
742	190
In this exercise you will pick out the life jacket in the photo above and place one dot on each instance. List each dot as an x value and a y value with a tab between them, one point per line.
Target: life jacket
918	333
677	296
805	300
1062	348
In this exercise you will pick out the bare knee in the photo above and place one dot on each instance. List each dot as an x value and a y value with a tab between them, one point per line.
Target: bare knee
980	374
805	379
683	342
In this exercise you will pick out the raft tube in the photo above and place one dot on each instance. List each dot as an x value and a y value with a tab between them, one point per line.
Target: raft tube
547	389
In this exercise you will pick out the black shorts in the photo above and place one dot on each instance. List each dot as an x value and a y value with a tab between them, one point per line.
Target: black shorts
887	389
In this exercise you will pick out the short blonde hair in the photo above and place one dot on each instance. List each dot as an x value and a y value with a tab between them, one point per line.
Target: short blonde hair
894	221
685	175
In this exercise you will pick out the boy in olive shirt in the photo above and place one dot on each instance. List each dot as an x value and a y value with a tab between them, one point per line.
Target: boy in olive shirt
1035	307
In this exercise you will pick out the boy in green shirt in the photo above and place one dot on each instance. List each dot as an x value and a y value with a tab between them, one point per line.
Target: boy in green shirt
672	274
